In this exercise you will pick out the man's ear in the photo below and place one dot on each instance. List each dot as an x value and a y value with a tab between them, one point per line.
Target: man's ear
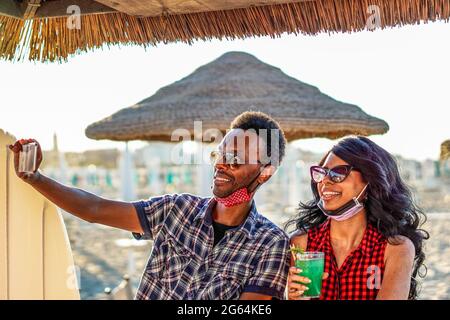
266	173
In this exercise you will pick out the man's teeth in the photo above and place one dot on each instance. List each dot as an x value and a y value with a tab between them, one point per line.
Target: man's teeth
222	179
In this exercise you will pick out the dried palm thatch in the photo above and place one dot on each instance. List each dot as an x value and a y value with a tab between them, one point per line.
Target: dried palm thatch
445	150
38	29
222	89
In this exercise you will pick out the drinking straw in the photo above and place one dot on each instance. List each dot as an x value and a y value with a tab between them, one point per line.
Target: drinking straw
292	251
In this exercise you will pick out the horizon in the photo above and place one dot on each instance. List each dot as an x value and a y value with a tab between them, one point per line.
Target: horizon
394	74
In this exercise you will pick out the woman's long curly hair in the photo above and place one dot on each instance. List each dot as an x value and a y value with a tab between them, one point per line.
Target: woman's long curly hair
390	205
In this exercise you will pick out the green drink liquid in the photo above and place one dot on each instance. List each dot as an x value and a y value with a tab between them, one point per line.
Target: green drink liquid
311	264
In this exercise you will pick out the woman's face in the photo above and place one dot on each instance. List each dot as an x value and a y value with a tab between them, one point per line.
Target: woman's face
335	195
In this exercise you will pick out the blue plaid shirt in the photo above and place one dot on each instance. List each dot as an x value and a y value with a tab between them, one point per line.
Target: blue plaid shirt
252	257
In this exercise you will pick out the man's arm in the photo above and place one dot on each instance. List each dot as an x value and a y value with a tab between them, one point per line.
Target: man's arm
270	274
88	206
80	203
254	296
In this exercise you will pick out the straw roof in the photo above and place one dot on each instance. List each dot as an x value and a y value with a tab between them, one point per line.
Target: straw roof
222	89
38	29
445	150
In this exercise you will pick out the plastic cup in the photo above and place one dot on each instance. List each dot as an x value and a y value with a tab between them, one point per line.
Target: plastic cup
312	265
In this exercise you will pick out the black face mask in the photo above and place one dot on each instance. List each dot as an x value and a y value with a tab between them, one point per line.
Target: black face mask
346	211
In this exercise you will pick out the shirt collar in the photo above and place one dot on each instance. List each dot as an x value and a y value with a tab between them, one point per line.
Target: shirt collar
324	238
205	212
370	238
247	227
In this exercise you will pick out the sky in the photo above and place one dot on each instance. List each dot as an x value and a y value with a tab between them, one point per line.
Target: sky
400	75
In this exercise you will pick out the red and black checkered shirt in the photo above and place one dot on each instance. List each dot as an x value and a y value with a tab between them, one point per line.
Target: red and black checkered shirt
360	276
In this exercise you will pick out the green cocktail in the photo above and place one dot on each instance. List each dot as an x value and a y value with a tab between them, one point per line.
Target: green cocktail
311	264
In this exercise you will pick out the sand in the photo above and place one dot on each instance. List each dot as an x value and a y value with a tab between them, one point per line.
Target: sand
436	284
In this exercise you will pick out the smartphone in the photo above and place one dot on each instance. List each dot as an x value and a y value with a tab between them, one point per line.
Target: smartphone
27	158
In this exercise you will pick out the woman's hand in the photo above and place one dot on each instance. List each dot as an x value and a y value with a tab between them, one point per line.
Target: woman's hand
296	289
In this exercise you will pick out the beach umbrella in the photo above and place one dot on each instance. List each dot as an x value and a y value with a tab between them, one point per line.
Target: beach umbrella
222	89
49	30
445	150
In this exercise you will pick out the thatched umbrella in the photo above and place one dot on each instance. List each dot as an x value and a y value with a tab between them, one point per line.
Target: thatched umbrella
39	28
220	90
445	150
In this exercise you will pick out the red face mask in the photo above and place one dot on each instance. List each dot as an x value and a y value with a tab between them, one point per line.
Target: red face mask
241	195
237	197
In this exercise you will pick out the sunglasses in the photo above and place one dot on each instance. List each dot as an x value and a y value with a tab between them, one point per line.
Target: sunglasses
336	174
228	158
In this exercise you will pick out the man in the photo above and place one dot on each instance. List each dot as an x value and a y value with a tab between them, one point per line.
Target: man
204	248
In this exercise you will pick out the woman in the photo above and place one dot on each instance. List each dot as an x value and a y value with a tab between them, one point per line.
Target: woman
364	218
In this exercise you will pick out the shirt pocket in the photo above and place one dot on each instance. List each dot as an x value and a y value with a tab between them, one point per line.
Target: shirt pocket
229	282
168	262
177	258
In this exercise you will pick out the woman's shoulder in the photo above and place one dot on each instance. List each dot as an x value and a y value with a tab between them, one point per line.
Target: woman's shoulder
400	247
299	239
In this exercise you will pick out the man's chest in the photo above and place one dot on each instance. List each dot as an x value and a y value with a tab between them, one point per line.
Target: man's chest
188	266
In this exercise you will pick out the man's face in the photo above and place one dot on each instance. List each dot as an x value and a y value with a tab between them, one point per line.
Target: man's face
246	146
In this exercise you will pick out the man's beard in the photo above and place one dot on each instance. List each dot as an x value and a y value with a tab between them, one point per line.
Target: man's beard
226	193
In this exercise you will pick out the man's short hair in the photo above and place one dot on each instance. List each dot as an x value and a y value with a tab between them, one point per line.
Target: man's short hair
259	121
